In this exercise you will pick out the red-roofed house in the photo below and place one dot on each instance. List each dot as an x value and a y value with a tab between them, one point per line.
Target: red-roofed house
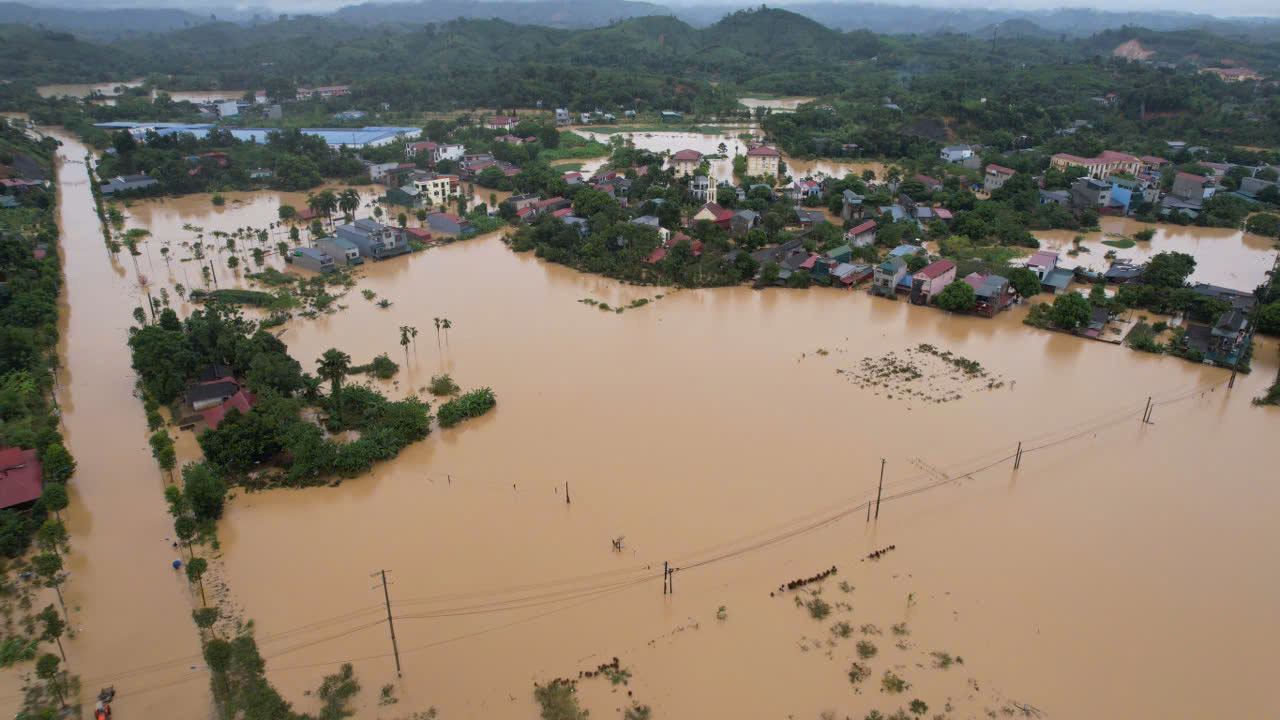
655	256
1151	163
550	205
714	213
931	279
502	122
942	214
996	176
573	178
862	235
1101	166
241	401
763	160
419	234
562	212
930	184
1043	263
412	149
685	162
21	476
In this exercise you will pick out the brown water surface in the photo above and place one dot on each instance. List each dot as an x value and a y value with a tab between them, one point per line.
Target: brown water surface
708	429
782	103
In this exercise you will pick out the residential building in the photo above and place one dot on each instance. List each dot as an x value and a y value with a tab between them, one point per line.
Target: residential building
930	184
743	222
1055	282
378	171
426	148
126	183
955	153
996	177
714	213
1122	271
992	292
502	122
1042	263
550	205
1153	164
212	392
1108	162
702	187
1238	299
227	109
1090	192
651	221
1189	187
323	92
809	218
562	116
685	162
851	205
21	477
929	280
448	151
375	240
448	223
763	160
1233	74
406	196
436	190
805	188
848	274
416	234
904	251
861	235
1056	197
312	259
343	251
242	401
261	174
887	275
1252	185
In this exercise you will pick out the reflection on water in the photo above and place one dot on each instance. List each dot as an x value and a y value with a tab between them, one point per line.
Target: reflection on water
703	423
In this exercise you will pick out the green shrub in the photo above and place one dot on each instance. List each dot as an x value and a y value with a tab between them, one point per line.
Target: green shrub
443	385
470	405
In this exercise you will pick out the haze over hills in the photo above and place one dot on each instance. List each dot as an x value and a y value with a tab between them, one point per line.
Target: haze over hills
91	22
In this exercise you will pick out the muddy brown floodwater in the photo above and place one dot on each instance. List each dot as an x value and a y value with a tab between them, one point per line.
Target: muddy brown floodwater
708	430
782	103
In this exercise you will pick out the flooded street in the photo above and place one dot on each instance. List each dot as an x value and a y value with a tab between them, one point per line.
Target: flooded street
718	430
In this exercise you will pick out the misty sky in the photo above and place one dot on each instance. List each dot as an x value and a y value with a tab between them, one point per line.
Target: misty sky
1224	8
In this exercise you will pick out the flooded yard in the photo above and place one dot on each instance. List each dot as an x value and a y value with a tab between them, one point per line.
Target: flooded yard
712	430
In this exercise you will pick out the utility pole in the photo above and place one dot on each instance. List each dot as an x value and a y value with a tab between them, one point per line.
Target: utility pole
386	596
1017	457
666	576
566	492
880	489
1148	407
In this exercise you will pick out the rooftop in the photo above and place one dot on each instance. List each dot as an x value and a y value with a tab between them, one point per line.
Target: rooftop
21	476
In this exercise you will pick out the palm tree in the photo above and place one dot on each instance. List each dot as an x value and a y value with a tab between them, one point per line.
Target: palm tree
446	325
404	341
349	202
333	366
437	332
413	333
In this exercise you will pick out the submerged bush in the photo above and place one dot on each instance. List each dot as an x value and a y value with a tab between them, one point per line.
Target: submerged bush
470	405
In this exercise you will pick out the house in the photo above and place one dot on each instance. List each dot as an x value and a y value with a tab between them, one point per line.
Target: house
1189	187
448	223
412	150
343	251
801	189
1056	197
242	401
714	213
887	275
1055	282
1098	318
996	177
375	240
1043	263
930	184
992	292
1099	167
573	178
929	280
435	189
895	212
809	218
311	259
851	205
520	202
323	92
1252	185
21	476
905	251
840	254
562	116
685	162
1223	343
502	122
261	174
550	205
448	151
743	221
702	188
417	234
1090	192
670	116
849	274
378	171
1238	299
1123	271
126	183
955	153
1154	164
406	196
211	393
763	160
651	221
861	235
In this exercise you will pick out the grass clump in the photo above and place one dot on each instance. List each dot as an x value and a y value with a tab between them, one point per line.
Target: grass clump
443	385
869	629
867	649
1122	243
845	587
919	707
942	660
617	676
558	701
842	629
858	672
470	405
818	608
892	683
901	629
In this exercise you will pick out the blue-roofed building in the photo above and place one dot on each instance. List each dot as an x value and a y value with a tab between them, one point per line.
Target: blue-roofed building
905	250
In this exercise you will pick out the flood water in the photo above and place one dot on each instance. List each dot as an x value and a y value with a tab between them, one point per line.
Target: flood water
783	103
85	89
1231	258
708	430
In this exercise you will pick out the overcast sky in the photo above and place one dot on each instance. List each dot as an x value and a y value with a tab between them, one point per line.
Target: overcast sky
1223	8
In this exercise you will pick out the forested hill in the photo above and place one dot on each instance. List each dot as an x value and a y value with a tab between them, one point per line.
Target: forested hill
548	13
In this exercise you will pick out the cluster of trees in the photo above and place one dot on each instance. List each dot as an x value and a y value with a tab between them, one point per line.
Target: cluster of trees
177	161
28	339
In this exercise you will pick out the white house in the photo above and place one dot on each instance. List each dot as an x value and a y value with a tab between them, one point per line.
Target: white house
955	153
